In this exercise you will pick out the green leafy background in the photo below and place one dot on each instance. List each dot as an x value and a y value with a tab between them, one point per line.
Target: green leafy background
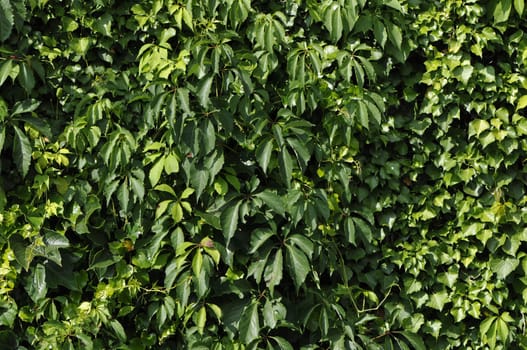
336	174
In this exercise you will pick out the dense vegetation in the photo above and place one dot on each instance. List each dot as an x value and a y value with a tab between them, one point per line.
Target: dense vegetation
284	174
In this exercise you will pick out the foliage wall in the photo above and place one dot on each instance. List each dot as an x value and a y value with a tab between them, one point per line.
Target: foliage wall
191	174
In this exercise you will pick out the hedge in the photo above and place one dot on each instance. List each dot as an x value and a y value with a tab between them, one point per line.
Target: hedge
247	174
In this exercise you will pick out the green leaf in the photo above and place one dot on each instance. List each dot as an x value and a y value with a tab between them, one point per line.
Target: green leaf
298	265
258	238
201	319
502	10
38	124
476	127
19	247
21	151
518	6
197	263
415	340
522	102
438	300
155	172
349	230
503	267
118	330
37	287
263	154
6	20
272	200
395	35
282	343
25	106
6	67
8	315
273	271
204	88
249	325
123	196
26	77
229	220
286	166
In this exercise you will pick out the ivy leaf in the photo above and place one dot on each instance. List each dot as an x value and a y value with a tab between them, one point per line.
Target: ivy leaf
415	340
503	267
298	265
21	151
249	325
438	300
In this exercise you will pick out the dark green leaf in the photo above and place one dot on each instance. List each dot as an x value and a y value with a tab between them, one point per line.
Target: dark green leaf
273	201
249	325
21	151
298	265
6	20
229	220
37	287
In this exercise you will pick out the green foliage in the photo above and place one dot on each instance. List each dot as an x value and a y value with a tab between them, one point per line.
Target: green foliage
192	174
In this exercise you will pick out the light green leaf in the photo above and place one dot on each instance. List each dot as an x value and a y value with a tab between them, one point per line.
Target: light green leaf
165	188
197	263
298	265
155	172
503	267
438	300
21	151
502	10
177	212
5	68
249	325
201	319
518	6
229	220
522	102
476	127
